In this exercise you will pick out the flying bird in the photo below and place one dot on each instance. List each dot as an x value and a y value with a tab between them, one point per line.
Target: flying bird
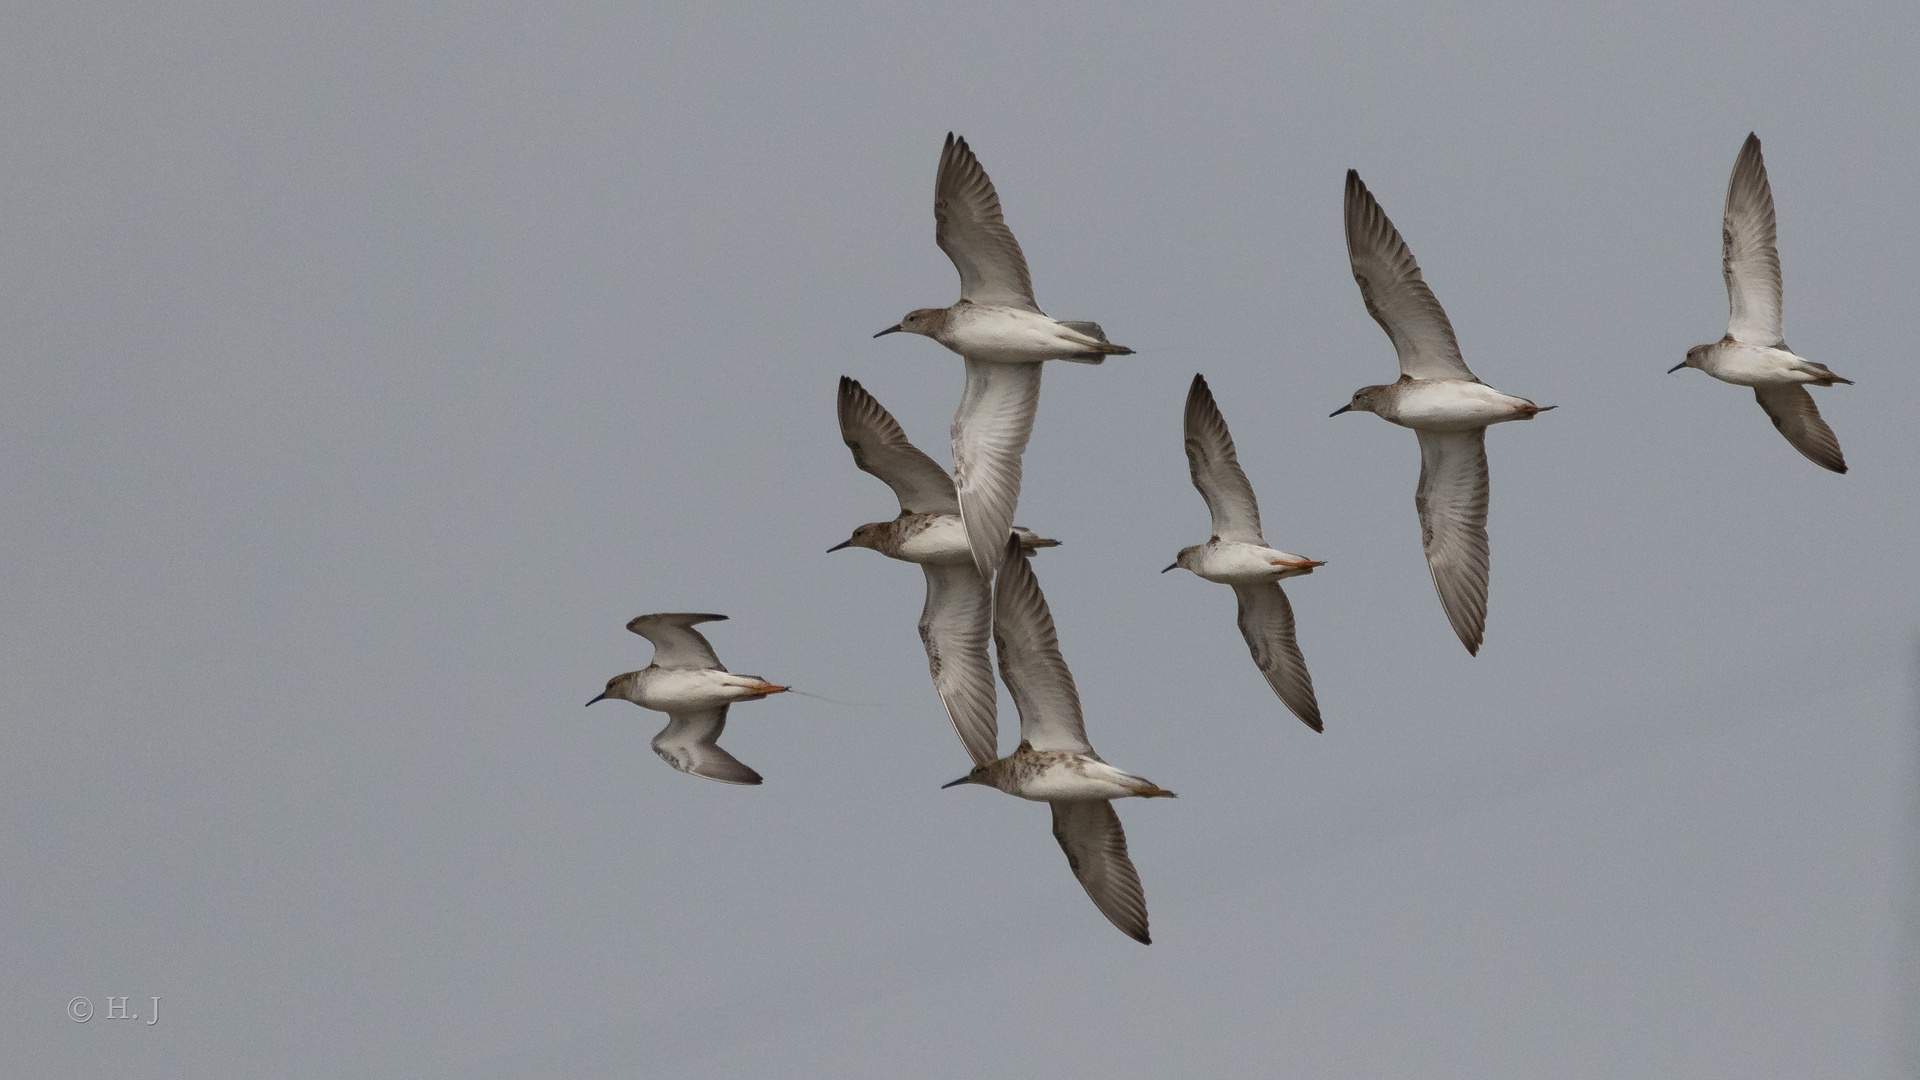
1055	763
1004	336
1237	555
1753	353
1443	402
957	621
688	683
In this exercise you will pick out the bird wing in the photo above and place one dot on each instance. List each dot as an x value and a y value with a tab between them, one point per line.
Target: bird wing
1266	621
1096	847
968	227
1452	500
990	432
1748	256
676	644
1030	661
1395	294
691	743
955	626
881	449
1216	469
1792	410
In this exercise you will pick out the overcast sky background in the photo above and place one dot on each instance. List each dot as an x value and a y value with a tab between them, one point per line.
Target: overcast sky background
368	365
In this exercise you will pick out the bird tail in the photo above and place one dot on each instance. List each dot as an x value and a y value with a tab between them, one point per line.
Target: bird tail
1098	347
1822	374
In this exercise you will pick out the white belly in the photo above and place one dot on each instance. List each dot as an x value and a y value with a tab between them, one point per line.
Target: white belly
1452	405
680	690
1246	564
942	543
1009	336
1754	365
1083	780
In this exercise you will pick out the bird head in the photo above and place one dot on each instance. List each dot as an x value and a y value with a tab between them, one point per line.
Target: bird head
621	688
1363	400
980	774
864	536
927	321
1695	356
1184	560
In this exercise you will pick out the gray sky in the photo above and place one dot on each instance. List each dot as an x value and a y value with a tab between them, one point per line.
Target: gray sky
369	365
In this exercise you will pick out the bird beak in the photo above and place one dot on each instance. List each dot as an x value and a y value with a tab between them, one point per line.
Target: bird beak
602	697
956	783
1676	367
894	329
1174	566
1341	409
841	544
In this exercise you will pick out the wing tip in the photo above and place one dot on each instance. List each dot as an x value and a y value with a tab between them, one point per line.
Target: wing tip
1199	395
1835	464
672	618
955	153
1358	195
1749	171
1470	625
1471	637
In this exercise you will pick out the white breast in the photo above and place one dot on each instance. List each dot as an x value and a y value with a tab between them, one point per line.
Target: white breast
1243	564
1005	335
1449	405
942	543
1074	781
1753	365
681	690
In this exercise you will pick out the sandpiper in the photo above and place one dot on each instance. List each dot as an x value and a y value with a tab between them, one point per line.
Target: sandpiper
688	683
1443	402
1055	763
1237	555
1005	338
1753	353
958	616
